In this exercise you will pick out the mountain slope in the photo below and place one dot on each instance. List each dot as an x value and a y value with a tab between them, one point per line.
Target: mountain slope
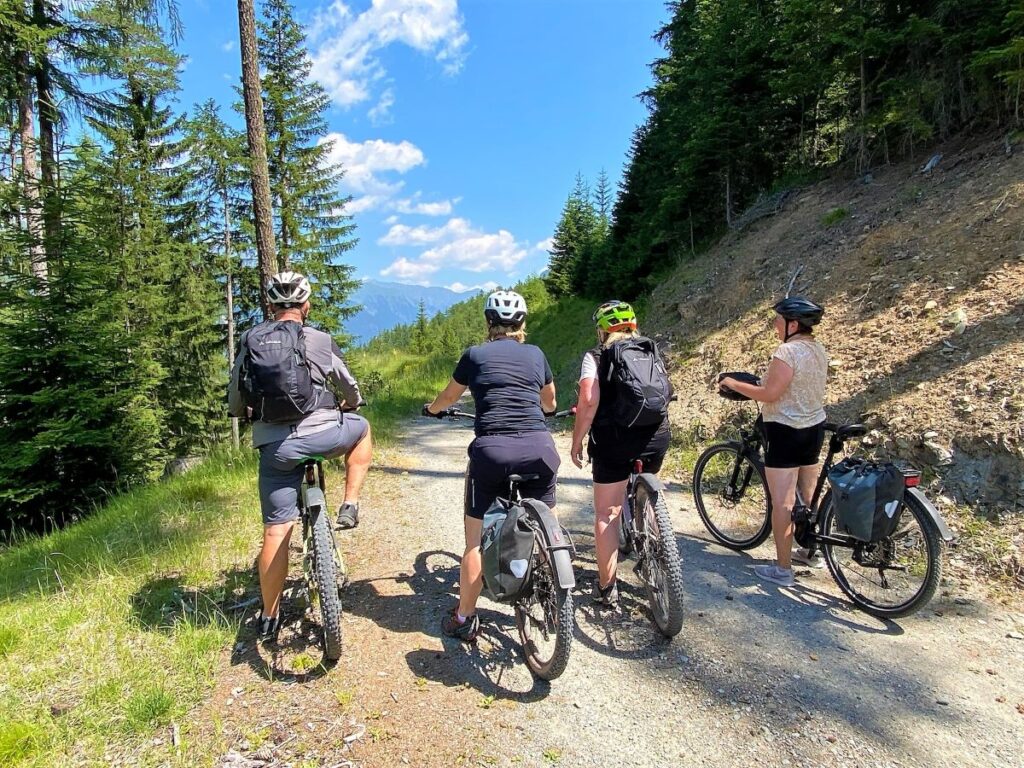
385	305
898	260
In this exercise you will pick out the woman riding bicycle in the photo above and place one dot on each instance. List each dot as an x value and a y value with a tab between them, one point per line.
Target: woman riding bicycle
612	448
792	393
513	388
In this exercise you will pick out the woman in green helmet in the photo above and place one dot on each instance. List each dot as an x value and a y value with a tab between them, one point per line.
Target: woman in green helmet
612	447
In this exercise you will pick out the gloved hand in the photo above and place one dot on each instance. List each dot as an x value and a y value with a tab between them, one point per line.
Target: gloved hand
427	412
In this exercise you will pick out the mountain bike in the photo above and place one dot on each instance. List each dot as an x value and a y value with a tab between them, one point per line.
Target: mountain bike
646	529
544	609
889	578
322	564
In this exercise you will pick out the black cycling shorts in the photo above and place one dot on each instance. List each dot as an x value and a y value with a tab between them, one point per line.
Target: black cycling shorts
492	458
787	447
613	450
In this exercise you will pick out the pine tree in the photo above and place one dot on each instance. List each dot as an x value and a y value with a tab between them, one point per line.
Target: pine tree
573	242
313	233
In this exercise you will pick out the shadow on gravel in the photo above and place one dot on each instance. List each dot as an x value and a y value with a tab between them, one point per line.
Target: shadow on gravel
493	665
792	650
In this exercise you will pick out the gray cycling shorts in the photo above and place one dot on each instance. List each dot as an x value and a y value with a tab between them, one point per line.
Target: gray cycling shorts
281	464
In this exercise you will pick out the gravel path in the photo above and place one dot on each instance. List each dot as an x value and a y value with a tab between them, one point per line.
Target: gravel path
759	675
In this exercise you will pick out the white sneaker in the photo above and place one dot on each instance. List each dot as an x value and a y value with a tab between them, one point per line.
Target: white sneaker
803	557
781	576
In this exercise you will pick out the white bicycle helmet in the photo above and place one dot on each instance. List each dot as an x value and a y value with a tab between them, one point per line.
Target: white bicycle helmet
505	308
288	288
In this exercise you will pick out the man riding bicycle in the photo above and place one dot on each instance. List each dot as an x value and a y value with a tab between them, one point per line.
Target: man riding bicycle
291	380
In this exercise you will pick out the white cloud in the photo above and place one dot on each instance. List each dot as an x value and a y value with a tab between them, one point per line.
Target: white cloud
403	269
480	252
545	245
345	45
413	205
381	114
391	220
455	245
228	46
458	287
403	234
364	161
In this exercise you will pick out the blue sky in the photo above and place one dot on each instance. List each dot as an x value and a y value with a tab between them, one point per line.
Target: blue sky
461	124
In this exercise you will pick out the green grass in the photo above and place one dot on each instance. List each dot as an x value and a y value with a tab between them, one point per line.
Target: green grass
112	628
834	216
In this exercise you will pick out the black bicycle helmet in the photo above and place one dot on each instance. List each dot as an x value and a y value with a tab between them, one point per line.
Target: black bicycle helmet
801	309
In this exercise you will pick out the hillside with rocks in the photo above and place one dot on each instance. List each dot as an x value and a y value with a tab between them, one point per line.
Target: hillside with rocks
921	268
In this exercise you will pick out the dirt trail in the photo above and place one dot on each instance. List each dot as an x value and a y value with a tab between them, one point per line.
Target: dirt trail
759	675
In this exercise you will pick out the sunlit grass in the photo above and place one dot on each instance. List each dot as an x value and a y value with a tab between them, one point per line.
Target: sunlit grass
111	630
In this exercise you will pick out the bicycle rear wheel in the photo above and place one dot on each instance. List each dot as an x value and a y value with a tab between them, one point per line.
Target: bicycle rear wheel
545	619
890	578
327	573
731	495
660	565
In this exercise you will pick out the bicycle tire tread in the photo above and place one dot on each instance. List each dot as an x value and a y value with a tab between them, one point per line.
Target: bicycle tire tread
670	562
327	586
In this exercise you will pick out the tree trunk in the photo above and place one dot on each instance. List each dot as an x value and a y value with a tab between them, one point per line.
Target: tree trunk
30	174
256	135
728	198
48	119
862	149
229	291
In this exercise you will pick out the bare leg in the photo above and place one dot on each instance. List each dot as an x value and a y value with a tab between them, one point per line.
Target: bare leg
782	487
608	499
808	478
357	464
273	565
471	574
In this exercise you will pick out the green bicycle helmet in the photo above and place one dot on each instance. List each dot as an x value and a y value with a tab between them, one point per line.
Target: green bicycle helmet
615	316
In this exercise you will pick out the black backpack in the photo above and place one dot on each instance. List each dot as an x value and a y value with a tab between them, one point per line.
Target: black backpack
642	388
276	377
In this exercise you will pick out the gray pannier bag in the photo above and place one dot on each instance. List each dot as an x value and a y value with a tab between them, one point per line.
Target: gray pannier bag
506	548
868	497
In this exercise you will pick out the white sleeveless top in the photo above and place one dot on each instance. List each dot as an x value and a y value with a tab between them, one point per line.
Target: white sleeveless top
802	404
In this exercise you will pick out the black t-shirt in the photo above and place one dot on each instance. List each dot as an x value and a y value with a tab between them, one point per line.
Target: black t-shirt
505	378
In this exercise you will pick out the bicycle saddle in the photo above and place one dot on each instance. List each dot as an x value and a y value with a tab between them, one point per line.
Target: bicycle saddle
844	431
522	478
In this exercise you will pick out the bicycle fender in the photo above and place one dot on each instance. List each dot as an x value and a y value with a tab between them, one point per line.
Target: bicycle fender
315	500
559	545
933	513
652	481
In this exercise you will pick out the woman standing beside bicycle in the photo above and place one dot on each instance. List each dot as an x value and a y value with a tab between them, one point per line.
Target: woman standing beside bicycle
612	447
513	388
792	393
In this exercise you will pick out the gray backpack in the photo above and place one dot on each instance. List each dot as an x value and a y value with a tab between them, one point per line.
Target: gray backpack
868	497
276	379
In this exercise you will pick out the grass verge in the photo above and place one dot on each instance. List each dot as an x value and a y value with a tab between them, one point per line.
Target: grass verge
110	630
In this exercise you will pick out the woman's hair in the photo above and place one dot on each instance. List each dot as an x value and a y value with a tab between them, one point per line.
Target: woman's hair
498	331
611	338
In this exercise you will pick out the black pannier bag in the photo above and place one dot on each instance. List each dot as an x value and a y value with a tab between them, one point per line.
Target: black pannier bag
868	497
506	549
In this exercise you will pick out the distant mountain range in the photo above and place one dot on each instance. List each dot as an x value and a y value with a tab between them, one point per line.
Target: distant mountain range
385	305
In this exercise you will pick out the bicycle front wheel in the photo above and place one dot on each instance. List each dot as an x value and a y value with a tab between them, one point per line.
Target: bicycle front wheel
730	492
545	619
661	566
890	578
327	576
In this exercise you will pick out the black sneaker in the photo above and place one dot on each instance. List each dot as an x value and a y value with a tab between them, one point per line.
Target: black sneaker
348	515
465	631
268	629
607	597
